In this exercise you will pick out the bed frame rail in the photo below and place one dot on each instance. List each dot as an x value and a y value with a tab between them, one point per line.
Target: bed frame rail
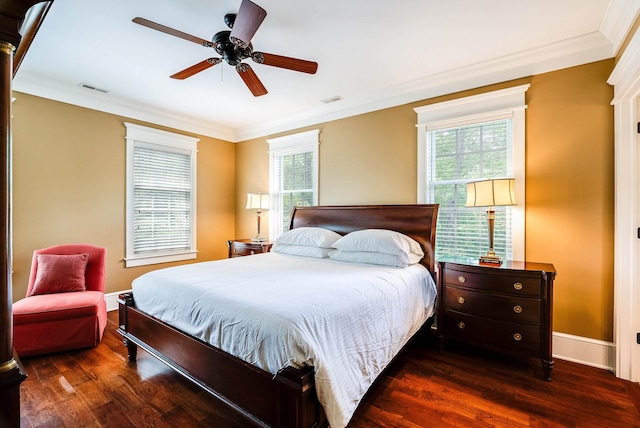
287	400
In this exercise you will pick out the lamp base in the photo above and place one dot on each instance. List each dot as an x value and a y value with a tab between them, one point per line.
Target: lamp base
491	259
258	239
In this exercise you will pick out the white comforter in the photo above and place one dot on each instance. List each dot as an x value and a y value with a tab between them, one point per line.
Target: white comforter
273	310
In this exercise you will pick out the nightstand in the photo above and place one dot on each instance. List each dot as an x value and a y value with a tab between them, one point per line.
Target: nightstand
246	247
506	308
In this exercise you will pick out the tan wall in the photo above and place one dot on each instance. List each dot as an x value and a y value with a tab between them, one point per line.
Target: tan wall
371	158
252	176
570	188
69	186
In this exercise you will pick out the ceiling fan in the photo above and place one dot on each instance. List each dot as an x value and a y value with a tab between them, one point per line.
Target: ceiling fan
235	46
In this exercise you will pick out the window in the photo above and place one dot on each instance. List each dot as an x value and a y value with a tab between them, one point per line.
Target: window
161	196
465	140
293	170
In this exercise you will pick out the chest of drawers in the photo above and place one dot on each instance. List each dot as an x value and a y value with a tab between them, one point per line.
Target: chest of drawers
506	308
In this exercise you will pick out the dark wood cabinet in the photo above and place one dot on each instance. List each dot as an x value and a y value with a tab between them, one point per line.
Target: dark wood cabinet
505	308
247	247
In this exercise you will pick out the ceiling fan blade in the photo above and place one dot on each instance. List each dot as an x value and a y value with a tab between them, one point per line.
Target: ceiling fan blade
295	64
248	19
197	68
171	31
251	79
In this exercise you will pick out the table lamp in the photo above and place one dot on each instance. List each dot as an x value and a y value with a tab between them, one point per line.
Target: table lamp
259	202
491	193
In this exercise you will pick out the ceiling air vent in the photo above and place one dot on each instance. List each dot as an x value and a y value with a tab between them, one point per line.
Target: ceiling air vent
332	99
93	88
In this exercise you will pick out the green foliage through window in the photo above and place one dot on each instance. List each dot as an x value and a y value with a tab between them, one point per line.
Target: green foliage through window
296	183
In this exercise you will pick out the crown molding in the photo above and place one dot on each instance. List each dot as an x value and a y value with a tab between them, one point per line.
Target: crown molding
624	76
44	87
618	20
568	53
571	52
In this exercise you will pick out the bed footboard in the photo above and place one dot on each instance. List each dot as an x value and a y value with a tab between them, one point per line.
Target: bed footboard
286	400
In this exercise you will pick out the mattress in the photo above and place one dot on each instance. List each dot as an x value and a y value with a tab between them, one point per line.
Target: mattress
272	310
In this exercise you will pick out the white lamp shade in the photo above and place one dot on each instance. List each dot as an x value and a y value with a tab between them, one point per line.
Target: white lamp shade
491	193
257	201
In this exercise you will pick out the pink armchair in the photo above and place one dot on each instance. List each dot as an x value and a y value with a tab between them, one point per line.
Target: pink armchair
52	318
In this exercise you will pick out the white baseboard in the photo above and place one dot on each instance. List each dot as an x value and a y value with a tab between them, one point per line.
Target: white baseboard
112	300
583	350
577	349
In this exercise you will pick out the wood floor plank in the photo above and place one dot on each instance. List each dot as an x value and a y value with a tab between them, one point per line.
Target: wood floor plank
109	414
74	412
459	387
91	396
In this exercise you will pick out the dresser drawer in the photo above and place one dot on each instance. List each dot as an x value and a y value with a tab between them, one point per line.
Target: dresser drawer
515	285
514	337
517	309
240	248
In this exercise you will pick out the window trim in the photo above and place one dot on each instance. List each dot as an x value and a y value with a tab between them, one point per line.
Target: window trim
508	102
301	142
155	138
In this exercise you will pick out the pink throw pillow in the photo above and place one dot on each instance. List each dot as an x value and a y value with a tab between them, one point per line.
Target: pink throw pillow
60	273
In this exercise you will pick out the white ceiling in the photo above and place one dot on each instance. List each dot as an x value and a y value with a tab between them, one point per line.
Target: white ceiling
372	53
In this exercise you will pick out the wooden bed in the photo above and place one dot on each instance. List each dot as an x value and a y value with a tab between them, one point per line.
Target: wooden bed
287	399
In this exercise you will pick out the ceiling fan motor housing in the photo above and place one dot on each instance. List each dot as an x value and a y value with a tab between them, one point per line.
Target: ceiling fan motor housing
232	54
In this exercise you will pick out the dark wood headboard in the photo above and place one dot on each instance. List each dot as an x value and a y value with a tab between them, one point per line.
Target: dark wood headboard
416	221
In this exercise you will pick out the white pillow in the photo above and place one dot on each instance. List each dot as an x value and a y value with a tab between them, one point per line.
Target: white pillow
309	237
382	241
368	257
301	250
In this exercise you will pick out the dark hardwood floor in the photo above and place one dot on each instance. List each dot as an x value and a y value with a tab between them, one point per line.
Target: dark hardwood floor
422	388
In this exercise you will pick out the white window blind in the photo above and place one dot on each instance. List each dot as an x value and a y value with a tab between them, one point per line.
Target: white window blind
457	156
160	196
293	177
470	139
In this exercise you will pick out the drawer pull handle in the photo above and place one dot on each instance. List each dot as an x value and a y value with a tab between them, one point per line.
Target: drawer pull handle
517	309
461	300
517	286
517	337
461	325
461	279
